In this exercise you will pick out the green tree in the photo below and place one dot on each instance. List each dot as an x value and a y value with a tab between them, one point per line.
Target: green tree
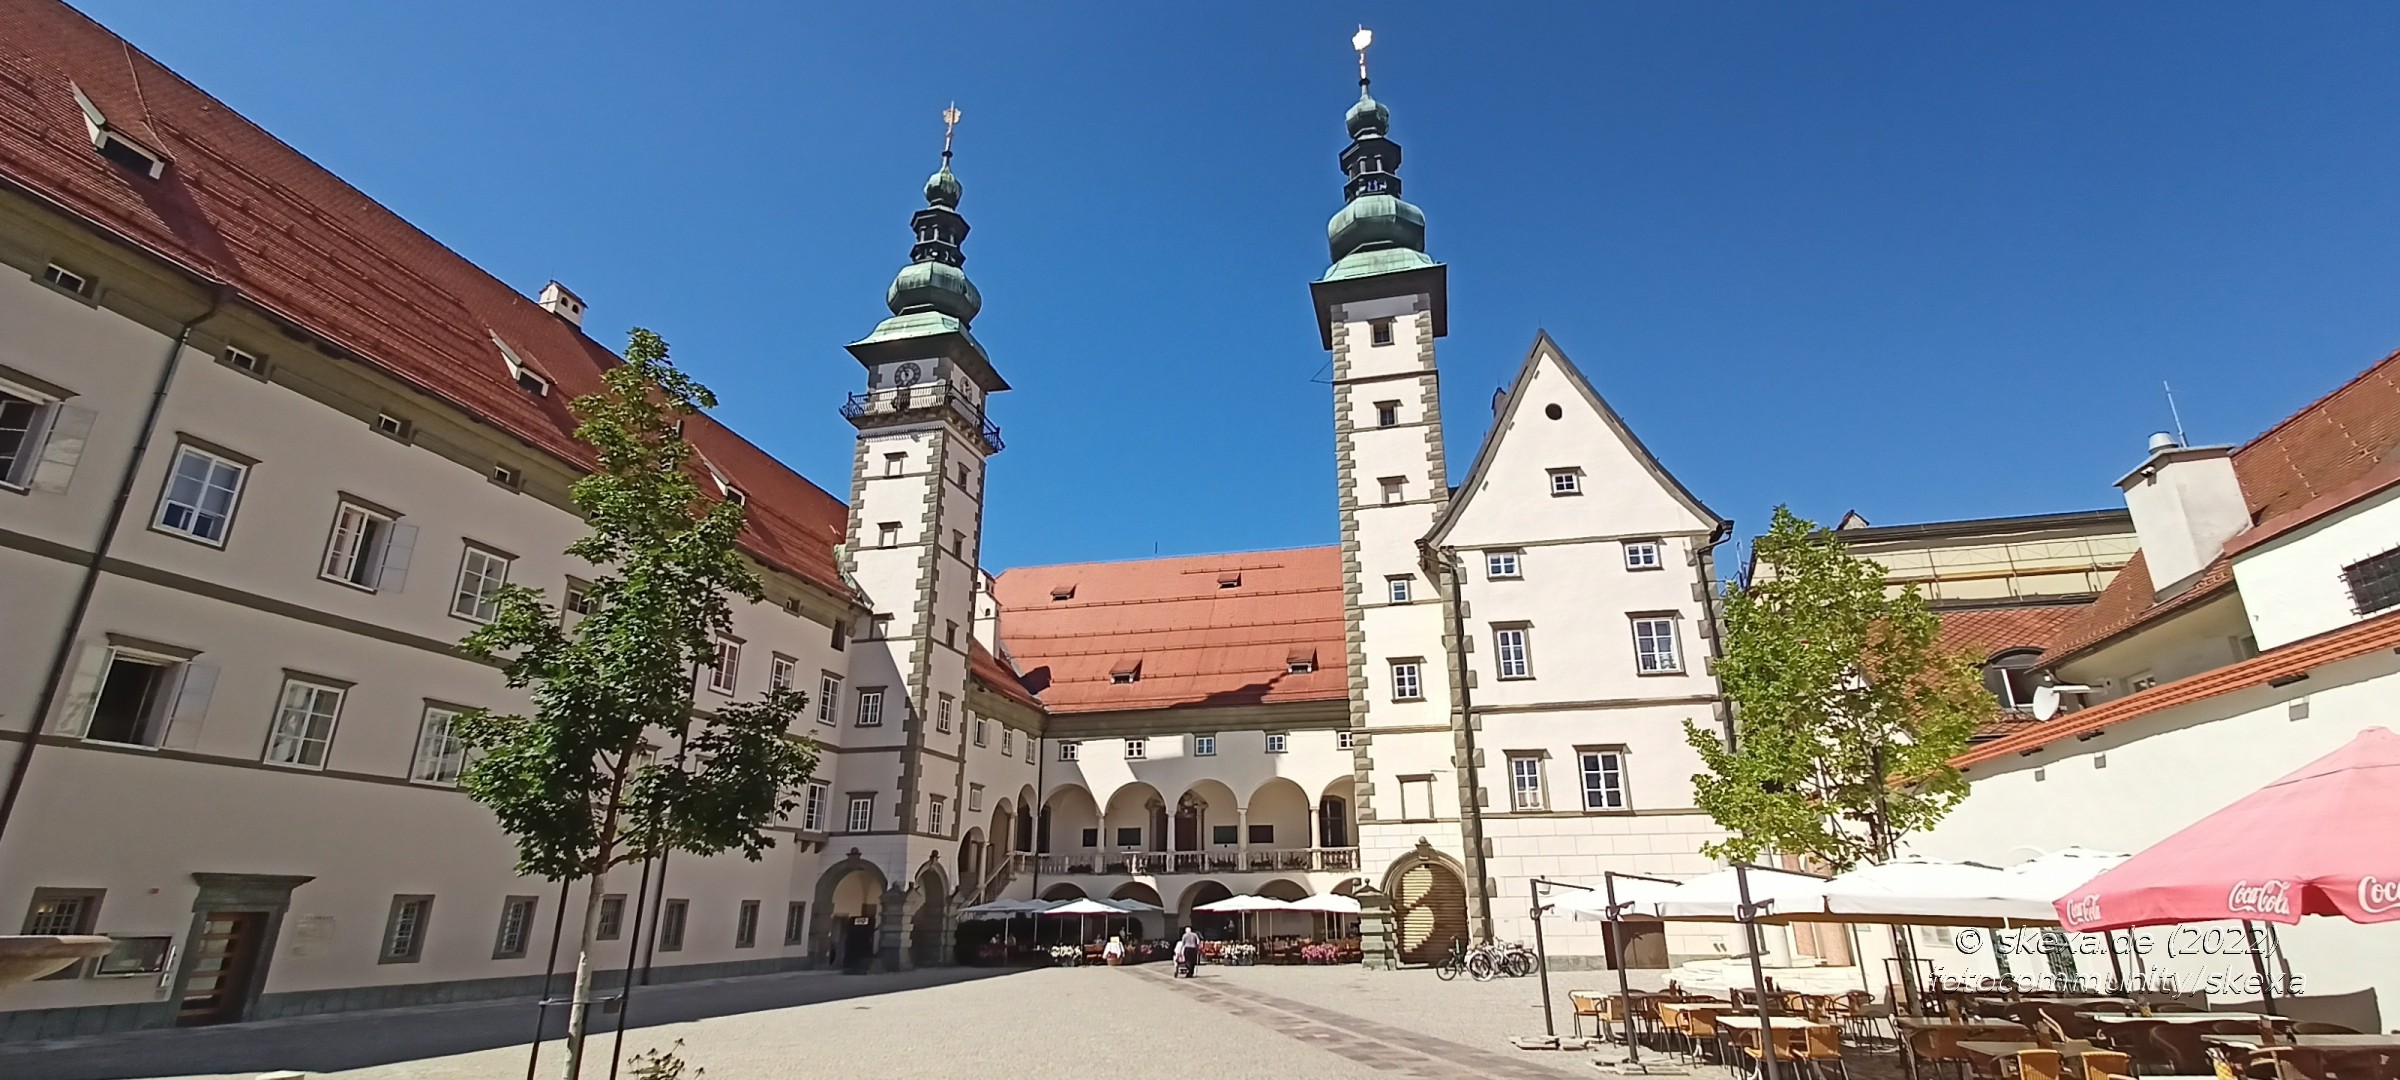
1846	712
615	764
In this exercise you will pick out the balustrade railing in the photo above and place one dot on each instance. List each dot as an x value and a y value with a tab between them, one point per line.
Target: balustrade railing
1225	861
897	400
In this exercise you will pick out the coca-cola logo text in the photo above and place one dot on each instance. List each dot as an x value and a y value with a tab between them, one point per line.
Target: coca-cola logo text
2085	910
2265	898
2376	896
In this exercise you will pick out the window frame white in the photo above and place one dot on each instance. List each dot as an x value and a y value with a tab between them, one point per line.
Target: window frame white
1512	651
1408	680
486	597
1008	741
1603	762
1644	555
941	715
168	503
439	745
1506	564
1345	739
1070	749
1204	745
829	699
815	796
1526	790
17	473
1278	742
860	817
1572	482
982	731
1643	652
305	737
1395	490
1137	748
725	668
1400	589
870	706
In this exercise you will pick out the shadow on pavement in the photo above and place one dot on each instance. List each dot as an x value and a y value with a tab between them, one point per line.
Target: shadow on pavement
358	1040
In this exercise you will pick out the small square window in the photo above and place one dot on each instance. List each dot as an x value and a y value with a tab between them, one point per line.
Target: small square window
532	383
1394	490
66	279
1387	414
1499	565
1566	482
893	463
1345	739
248	363
392	427
879	627
1642	555
1278	742
1137	749
1379	331
1400	587
508	477
202	491
1067	749
887	534
1090	838
1204	746
1407	684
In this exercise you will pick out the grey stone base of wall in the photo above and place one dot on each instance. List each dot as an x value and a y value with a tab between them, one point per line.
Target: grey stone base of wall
29	1025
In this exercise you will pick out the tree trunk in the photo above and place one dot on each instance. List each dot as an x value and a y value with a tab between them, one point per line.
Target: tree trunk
579	1007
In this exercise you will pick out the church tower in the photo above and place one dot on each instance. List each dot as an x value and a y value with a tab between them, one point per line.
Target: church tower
916	517
1380	308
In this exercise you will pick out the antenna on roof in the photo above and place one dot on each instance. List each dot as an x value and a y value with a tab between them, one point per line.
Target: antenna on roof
2180	440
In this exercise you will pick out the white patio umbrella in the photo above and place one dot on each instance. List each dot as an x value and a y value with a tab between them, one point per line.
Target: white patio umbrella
1244	905
1716	897
1082	908
1915	891
1330	904
1634	897
2064	871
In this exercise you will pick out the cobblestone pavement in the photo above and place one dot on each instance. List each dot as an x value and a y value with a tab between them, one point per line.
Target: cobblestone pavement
1054	1024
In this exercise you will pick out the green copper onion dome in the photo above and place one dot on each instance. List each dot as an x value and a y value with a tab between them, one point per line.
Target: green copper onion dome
1376	218
934	286
942	189
933	280
1368	116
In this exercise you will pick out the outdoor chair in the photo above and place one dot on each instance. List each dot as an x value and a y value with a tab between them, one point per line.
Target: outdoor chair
2181	1045
1588	1003
1822	1046
2102	1064
2038	1065
1699	1031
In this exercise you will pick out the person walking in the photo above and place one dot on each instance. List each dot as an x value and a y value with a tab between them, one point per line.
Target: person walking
1187	953
1115	951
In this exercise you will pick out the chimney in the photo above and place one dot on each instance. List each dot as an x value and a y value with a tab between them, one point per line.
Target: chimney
566	305
2186	503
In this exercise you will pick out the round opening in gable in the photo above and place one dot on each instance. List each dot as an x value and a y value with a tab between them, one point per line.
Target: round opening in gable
1553	411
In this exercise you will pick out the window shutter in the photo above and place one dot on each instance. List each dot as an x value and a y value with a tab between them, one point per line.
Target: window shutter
399	542
192	692
83	691
70	426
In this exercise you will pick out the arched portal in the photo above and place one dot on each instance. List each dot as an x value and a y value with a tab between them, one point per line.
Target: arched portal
1283	889
1429	906
1278	816
1211	925
971	868
929	924
1334	827
847	929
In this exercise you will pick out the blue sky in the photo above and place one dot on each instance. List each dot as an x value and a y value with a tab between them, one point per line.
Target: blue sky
1925	261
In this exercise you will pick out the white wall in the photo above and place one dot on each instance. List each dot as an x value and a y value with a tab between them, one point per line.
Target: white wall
2293	584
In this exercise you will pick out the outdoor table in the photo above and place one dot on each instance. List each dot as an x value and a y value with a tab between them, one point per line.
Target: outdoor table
1937	1038
1781	1023
2130	1019
2321	1042
1984	1056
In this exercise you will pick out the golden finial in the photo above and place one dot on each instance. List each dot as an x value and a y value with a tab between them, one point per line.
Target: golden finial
1358	43
949	130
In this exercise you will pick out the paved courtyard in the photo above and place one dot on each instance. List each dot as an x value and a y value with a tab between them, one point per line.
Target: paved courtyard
1229	1024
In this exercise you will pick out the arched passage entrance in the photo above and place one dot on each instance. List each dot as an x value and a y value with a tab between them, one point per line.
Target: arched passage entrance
848	928
1429	906
929	923
1211	925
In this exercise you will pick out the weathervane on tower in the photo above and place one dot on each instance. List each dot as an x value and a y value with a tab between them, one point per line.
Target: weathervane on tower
950	123
1359	42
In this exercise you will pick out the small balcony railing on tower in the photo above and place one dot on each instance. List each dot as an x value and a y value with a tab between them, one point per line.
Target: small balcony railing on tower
1223	861
895	401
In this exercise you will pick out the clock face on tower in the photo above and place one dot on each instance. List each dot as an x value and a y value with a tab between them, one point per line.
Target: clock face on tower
907	374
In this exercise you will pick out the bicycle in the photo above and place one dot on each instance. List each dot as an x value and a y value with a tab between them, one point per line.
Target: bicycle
1450	966
1517	961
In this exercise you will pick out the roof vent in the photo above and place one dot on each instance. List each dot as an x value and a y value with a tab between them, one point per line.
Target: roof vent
1231	579
2162	441
1063	592
557	300
1300	661
1127	670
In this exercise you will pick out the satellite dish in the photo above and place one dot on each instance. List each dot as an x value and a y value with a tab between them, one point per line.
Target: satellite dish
2045	698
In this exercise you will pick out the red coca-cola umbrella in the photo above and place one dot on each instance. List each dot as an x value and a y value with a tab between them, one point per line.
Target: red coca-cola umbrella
2324	840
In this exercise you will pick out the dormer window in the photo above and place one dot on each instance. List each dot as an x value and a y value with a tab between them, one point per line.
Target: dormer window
125	152
1062	592
734	495
1229	580
533	384
1300	662
1126	671
1387	414
522	373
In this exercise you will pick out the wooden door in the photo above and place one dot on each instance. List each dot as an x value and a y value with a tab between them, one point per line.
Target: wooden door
1187	828
1429	908
224	961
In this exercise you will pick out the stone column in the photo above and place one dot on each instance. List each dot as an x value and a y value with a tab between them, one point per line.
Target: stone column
891	939
1316	834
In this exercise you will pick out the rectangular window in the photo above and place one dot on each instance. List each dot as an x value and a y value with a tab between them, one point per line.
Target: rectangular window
612	918
1345	739
829	698
1525	781
1641	555
67	279
812	807
1379	331
481	573
1262	835
1405	684
1225	835
1400	588
958	543
202	490
983	731
57	912
354	554
862	813
1498	565
1512	651
795	923
516	927
404	930
879	627
941	715
887	534
440	756
389	426
1030	743
783	672
745	926
934	814
1136	749
303	729
974	798
1129	838
2374	582
950	632
1387	413
725	671
1300	665
870	708
1603	779
1091	838
1204	746
1416	798
671	919
1654	646
23	422
1394	490
1067	749
893	463
1566	482
578	598
1008	741
140	696
1278	742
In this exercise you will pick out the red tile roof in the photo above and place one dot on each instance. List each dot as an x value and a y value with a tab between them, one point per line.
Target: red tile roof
240	208
2334	443
2297	658
1199	643
1987	632
993	672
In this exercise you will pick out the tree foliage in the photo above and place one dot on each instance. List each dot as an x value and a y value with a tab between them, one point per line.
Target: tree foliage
1846	711
615	764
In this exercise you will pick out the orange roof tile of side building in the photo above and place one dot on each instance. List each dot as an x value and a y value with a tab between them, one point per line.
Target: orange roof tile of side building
2308	461
1988	632
234	207
1249	628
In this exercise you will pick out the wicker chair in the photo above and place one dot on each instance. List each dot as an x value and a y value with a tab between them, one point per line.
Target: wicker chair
2040	1065
2103	1064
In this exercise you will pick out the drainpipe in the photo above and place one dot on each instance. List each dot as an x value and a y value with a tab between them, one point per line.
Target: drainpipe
65	649
1707	559
1470	814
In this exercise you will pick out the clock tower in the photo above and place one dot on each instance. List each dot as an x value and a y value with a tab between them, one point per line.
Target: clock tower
916	524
